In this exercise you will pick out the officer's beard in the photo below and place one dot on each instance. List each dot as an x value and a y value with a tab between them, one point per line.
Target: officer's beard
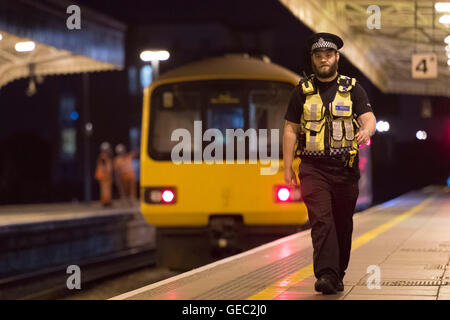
328	72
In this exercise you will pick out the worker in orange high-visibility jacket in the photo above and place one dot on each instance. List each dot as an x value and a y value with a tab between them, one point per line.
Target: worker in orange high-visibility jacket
103	173
124	174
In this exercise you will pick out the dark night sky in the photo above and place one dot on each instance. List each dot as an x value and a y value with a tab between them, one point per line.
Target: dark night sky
191	30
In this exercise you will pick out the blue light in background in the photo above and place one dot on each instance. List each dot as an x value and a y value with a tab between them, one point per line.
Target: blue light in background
448	182
133	82
74	115
146	76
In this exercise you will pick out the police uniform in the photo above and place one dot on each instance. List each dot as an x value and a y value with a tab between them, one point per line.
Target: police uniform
329	171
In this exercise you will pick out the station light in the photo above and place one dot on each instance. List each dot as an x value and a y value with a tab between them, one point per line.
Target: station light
447	40
442	6
383	126
74	115
25	46
1	36
445	19
421	135
146	76
149	55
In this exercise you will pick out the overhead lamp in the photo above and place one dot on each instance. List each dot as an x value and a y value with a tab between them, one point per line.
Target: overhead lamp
442	6
382	126
25	46
148	55
445	19
421	135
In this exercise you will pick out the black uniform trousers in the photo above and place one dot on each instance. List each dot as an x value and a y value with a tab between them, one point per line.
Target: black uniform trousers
330	195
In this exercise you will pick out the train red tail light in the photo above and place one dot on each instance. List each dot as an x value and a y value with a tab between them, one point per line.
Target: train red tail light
167	196
284	193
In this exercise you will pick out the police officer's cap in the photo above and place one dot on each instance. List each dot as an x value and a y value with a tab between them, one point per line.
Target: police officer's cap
324	41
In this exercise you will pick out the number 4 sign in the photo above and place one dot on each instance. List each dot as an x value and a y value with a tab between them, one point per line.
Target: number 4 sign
424	65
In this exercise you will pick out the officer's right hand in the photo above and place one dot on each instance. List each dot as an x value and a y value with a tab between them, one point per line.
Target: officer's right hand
290	178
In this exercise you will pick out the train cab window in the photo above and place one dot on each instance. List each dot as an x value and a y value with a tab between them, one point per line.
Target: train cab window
220	104
172	108
266	109
223	118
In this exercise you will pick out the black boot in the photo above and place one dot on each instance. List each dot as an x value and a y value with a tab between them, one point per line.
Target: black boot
340	286
326	284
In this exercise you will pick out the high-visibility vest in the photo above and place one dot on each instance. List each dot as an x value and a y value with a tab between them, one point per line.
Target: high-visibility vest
124	165
328	130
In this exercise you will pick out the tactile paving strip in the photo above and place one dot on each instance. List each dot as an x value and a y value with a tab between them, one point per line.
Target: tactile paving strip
246	285
407	283
426	249
240	288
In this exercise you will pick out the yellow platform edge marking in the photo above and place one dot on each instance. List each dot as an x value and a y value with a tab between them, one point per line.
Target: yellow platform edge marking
284	284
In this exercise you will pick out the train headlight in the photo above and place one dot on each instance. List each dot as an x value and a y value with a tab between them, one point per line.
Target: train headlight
160	195
167	196
283	194
155	195
287	194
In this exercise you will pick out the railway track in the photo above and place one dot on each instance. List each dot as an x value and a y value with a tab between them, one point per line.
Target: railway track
52	282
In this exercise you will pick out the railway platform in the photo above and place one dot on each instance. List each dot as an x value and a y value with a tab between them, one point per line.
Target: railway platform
400	251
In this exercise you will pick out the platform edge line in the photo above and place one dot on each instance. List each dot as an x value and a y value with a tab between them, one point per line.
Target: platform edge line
284	284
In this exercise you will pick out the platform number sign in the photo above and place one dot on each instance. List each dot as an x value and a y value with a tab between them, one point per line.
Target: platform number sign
424	65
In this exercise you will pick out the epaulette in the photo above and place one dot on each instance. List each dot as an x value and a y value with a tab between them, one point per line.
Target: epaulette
307	85
345	83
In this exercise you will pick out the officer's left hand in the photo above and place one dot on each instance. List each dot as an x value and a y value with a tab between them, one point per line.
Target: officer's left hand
362	137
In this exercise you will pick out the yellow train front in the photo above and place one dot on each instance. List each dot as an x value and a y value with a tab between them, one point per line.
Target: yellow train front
208	193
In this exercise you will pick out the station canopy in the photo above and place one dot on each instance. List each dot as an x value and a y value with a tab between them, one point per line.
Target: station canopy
384	55
97	46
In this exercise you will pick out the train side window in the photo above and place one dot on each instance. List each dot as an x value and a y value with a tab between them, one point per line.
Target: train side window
173	109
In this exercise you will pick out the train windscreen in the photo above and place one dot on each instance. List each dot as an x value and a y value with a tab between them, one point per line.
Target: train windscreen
194	107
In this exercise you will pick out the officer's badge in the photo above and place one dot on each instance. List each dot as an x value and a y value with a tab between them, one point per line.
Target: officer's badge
342	108
321	43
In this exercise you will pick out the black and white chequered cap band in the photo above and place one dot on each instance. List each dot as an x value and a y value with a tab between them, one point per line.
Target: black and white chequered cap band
323	44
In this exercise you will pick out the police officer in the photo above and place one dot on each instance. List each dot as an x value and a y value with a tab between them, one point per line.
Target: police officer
328	116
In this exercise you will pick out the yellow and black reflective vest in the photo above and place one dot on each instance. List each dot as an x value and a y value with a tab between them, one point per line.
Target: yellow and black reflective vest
327	130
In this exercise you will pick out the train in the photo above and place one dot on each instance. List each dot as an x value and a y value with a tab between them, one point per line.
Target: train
211	168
